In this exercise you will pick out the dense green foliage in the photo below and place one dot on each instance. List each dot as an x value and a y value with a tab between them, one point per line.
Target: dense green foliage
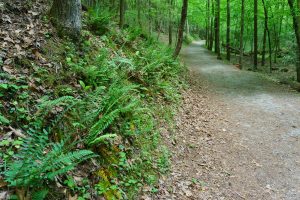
96	114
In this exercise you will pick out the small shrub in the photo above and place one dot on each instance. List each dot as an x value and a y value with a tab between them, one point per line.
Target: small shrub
98	21
188	39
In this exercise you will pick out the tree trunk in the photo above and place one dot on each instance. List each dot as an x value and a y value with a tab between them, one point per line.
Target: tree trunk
170	23
207	23
228	31
187	27
122	14
296	23
66	16
255	35
181	28
211	43
263	59
242	34
268	31
149	18
139	13
217	30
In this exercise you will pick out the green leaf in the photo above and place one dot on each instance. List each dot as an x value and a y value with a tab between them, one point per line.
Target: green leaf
4	143
40	195
69	60
4	120
4	86
82	84
103	138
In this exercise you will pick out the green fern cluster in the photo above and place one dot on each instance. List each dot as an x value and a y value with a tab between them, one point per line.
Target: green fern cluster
40	161
154	68
112	111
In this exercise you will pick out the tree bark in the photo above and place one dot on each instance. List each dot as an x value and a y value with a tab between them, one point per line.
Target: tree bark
139	13
217	30
170	23
181	28
66	15
296	23
228	31
263	59
207	23
187	27
122	14
149	17
255	35
242	34
268	31
211	36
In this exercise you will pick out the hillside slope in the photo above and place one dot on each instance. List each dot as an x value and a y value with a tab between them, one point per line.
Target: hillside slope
80	120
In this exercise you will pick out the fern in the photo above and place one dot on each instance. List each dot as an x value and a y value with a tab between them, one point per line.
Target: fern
46	106
101	125
33	166
103	138
41	194
4	120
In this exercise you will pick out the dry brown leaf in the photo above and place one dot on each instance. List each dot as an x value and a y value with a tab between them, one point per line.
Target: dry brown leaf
8	39
27	40
17	132
33	13
31	32
72	198
2	183
6	18
8	69
18	47
4	44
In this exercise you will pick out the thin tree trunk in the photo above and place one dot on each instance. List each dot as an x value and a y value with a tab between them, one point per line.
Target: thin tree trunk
149	18
187	27
139	13
242	34
217	30
296	23
228	31
207	23
66	16
263	60
181	28
268	31
170	23
211	43
122	14
255	35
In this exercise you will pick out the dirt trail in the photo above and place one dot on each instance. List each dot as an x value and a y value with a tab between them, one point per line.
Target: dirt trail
237	135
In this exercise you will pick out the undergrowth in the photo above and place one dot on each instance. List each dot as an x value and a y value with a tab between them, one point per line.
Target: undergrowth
89	126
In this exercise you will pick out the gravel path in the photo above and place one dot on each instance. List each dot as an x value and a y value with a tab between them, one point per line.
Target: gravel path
237	135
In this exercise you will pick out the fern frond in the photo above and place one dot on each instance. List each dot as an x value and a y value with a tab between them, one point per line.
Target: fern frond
55	102
40	195
46	106
103	138
33	166
74	157
101	125
4	120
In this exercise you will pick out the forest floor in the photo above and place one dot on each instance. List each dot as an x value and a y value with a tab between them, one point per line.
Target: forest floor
237	135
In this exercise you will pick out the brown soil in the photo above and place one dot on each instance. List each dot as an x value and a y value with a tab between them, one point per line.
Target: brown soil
237	136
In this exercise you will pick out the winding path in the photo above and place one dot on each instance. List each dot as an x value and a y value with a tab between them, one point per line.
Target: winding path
237	135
